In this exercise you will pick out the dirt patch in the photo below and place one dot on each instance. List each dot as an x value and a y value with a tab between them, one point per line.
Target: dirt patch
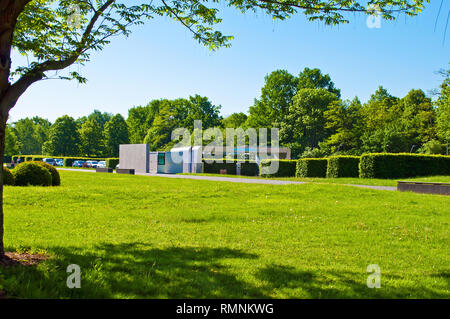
23	259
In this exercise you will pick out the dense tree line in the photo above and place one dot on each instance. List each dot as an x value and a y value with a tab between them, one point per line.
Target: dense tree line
313	120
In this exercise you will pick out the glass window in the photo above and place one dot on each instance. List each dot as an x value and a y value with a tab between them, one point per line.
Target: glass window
161	158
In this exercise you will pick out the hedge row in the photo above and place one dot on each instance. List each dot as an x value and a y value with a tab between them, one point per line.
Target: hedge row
248	168
286	168
112	162
312	167
68	161
343	166
403	165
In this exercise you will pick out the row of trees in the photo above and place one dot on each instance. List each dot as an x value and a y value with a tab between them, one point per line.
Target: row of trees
308	109
314	120
98	134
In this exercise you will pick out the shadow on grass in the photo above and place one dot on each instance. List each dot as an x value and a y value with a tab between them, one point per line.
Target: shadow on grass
340	284
134	270
137	270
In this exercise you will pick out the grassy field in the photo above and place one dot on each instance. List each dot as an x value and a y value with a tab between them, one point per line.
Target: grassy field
354	181
152	237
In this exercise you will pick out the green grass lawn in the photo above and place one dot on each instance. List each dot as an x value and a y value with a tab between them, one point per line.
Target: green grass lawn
356	181
153	237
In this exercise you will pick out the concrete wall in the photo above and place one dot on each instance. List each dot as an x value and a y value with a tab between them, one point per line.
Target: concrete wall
135	156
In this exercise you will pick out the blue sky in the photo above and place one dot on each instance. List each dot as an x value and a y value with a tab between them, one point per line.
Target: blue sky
161	60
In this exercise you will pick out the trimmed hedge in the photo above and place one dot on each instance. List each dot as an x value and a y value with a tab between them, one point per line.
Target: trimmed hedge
343	166
56	179
249	169
403	165
214	168
312	167
286	168
30	173
8	177
112	162
68	161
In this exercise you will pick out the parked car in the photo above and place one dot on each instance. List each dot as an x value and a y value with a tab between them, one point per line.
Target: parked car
50	161
59	162
101	164
92	164
78	164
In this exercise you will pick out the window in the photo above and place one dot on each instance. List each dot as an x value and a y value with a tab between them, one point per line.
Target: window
161	158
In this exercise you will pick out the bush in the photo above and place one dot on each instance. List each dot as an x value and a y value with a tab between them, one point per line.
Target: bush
112	162
343	166
214	168
56	179
249	168
312	167
286	168
384	165
8	177
30	173
68	161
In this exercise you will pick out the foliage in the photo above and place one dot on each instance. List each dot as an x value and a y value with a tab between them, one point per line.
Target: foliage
403	165
116	133
91	138
31	173
314	79
8	177
64	138
343	166
112	162
311	167
56	179
286	168
433	147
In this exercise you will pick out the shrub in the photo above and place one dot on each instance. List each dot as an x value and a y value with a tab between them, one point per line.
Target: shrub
56	179
8	177
384	165
343	166
249	168
215	167
28	158
312	167
68	161
286	168
30	173
112	162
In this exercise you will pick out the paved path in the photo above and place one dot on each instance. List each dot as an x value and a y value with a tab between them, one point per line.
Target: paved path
228	179
238	180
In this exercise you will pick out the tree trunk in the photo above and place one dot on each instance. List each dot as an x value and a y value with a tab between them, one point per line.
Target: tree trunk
2	152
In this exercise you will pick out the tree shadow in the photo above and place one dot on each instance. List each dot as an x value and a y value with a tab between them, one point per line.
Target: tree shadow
340	284
136	270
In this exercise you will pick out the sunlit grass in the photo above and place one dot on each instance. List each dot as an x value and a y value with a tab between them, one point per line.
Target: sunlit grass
152	237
